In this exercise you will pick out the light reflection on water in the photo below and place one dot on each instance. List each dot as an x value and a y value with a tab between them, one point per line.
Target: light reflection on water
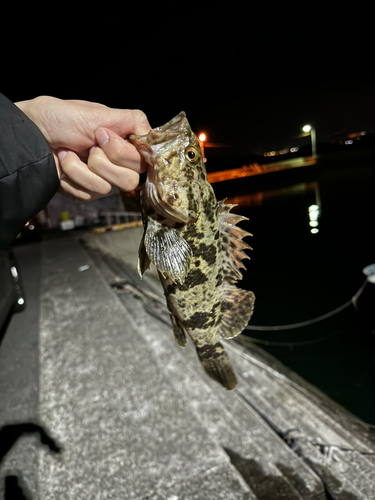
259	197
297	275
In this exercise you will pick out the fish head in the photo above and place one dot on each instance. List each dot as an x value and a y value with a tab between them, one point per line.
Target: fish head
176	169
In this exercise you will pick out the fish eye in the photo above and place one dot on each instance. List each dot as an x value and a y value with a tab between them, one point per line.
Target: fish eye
192	155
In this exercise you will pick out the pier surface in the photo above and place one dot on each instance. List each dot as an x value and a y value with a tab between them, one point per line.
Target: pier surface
94	362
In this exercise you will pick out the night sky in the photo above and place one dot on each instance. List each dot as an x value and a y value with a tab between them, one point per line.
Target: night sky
246	75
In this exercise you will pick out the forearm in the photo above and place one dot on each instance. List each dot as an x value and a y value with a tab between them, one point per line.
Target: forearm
28	176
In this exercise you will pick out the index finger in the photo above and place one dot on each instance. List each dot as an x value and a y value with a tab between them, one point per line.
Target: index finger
128	121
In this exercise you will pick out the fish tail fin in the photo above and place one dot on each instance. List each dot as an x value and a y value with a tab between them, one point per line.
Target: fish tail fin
216	364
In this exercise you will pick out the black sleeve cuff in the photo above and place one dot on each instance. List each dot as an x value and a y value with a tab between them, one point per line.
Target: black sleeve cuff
28	176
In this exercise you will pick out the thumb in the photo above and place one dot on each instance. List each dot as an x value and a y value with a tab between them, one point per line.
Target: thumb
119	151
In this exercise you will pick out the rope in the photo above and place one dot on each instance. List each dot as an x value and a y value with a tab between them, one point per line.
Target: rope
353	301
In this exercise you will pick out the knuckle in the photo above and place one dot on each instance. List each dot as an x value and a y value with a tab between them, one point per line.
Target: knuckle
117	156
130	181
97	160
140	120
108	188
139	116
102	187
94	157
114	151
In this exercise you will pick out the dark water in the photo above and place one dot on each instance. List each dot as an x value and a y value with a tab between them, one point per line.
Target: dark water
297	275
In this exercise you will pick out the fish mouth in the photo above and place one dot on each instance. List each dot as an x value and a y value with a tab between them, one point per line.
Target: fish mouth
167	132
177	124
162	136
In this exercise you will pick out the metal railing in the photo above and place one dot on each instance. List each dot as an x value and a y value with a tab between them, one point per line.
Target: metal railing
118	217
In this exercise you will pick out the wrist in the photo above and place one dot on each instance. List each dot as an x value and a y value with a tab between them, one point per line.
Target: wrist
34	110
23	106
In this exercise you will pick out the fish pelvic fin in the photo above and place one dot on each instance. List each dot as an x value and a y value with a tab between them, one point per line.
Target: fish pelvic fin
216	364
143	259
178	331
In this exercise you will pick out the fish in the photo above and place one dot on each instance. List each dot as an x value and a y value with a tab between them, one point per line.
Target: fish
195	244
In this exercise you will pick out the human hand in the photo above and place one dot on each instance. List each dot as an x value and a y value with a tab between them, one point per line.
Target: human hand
88	143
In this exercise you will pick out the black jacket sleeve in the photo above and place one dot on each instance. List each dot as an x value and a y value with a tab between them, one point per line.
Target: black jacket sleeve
28	176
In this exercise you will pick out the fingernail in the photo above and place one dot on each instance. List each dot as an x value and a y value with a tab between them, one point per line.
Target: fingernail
102	137
61	154
91	149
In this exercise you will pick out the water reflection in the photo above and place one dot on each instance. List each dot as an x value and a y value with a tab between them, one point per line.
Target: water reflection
258	198
314	214
311	241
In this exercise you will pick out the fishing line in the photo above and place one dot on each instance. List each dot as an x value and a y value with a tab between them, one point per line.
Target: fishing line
125	285
153	298
352	301
300	343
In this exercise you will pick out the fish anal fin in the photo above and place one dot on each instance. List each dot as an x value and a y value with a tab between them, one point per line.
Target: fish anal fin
237	308
217	365
168	251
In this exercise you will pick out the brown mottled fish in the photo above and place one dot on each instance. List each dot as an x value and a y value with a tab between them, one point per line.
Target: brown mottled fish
195	245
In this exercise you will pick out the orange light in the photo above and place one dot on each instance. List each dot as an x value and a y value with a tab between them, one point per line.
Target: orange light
202	137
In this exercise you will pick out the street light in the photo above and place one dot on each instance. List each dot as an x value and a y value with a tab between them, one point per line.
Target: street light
309	129
202	138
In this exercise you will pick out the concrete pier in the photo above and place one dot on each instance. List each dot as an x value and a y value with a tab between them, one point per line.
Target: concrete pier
135	415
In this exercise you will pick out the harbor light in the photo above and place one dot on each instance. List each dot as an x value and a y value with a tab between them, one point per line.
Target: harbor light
202	137
308	129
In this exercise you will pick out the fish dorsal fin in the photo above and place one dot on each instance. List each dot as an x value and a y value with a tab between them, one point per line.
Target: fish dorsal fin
167	250
237	305
232	244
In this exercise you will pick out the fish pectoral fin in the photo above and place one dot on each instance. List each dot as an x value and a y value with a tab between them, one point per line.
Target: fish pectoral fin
216	364
178	331
168	251
237	307
143	259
